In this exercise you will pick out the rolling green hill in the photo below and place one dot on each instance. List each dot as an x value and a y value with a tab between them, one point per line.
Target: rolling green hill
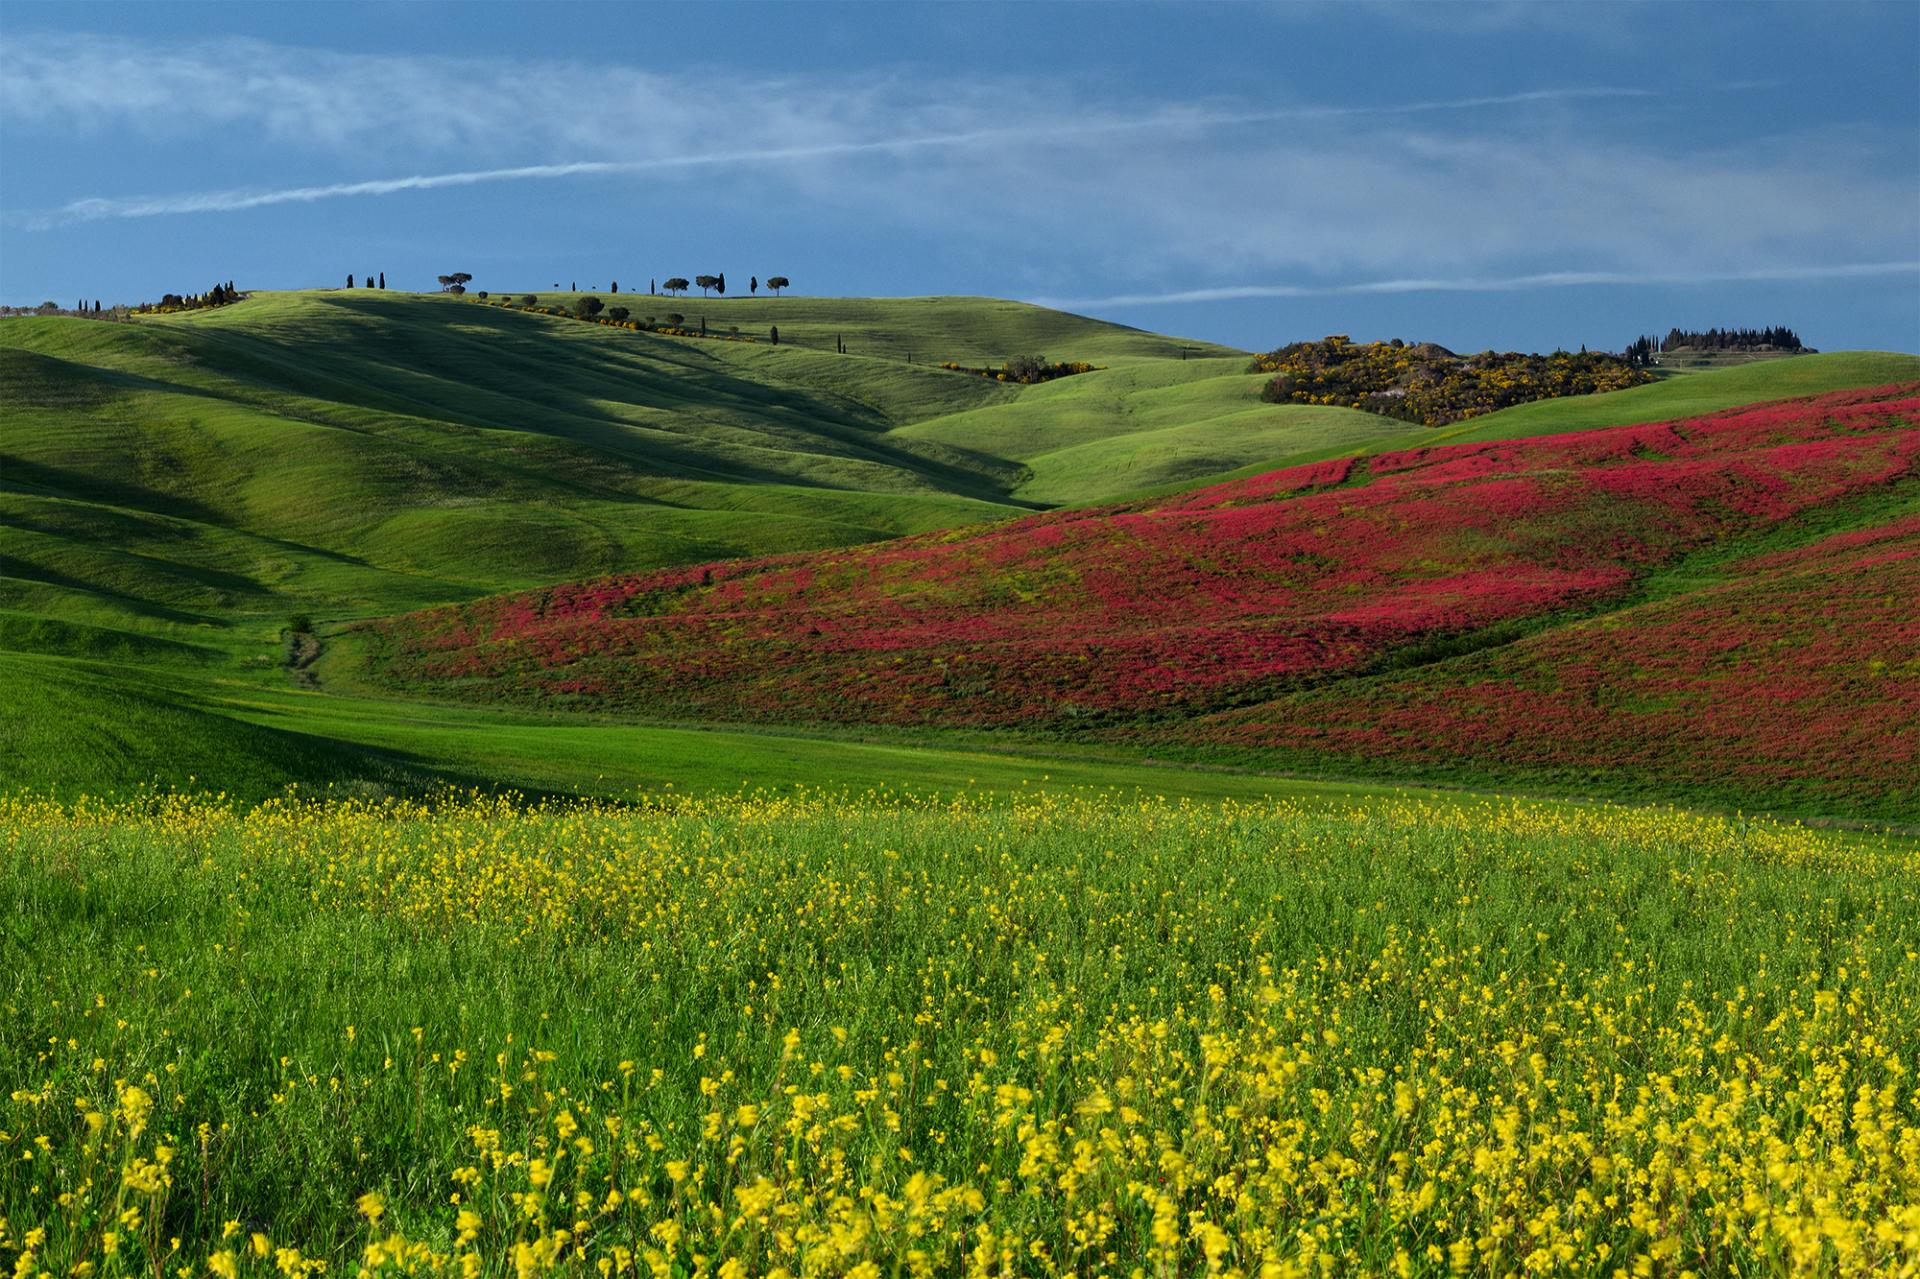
1676	395
173	490
1089	437
970	331
1165	621
1686	394
348	454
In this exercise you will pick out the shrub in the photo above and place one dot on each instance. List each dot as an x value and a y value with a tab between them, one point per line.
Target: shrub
1429	384
1027	369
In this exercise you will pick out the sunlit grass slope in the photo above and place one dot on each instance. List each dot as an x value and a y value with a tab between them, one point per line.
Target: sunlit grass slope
1135	426
1684	394
353	452
1677	395
350	454
974	331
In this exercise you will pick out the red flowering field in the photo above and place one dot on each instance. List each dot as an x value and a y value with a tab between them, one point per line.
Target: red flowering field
1794	681
1189	616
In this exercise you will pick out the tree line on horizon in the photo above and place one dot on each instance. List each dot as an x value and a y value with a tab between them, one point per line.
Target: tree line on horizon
1641	350
456	282
712	284
218	295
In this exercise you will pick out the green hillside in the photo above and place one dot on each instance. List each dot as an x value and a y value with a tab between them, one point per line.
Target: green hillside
82	728
1089	437
1685	394
173	490
75	728
971	331
1676	395
351	454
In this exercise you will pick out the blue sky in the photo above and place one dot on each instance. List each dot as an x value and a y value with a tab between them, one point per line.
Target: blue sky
1500	175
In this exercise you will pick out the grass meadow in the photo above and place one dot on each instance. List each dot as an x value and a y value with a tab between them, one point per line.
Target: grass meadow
868	1034
508	992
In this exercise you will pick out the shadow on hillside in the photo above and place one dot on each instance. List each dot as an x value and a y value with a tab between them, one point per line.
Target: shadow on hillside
491	369
26	476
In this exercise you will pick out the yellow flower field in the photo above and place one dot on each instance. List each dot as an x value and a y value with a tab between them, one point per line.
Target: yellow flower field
870	1036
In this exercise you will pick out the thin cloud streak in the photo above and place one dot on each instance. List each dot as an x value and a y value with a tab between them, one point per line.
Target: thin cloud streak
1513	283
231	201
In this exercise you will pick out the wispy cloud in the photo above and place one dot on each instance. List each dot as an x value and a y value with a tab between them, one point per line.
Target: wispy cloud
1160	200
1496	284
1032	130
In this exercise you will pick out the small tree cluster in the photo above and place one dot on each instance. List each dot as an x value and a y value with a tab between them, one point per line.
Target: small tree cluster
709	285
218	295
86	309
1776	338
1025	369
456	282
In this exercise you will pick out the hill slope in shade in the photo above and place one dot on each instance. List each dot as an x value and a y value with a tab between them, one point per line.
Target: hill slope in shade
86	728
1116	618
